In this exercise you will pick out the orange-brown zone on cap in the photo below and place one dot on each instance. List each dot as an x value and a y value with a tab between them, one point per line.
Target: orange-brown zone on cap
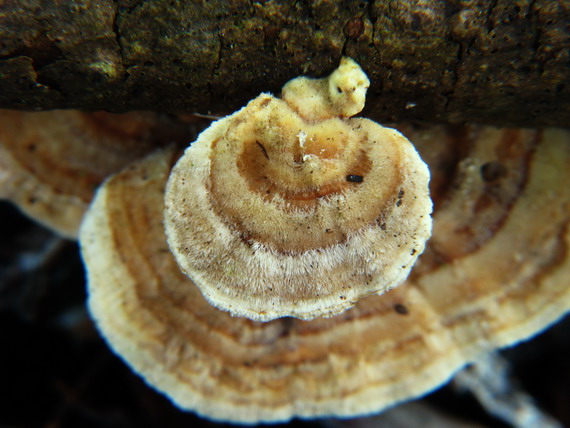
269	176
242	345
253	162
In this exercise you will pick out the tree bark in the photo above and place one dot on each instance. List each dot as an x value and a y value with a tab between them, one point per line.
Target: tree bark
500	61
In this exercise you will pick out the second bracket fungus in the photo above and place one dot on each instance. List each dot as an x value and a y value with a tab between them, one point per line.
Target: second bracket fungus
51	162
289	207
495	272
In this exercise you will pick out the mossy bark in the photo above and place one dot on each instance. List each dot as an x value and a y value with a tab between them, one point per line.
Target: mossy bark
501	61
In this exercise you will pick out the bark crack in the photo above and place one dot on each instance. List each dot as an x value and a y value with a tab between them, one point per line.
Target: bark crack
533	17
372	19
488	18
218	61
117	32
455	72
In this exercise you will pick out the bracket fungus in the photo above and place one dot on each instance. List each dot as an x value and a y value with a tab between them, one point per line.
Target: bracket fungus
52	162
289	207
495	272
492	275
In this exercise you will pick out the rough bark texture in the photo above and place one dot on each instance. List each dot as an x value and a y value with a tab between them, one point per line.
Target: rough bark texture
497	61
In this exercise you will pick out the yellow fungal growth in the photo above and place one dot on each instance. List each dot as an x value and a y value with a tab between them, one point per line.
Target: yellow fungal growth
342	94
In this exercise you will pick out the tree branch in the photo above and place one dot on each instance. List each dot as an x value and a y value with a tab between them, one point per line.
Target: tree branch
497	62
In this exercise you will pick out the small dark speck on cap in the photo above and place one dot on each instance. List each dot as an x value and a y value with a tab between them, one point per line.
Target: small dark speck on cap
401	309
492	171
354	178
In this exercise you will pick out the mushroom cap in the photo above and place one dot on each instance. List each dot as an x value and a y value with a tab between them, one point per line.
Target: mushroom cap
275	213
508	281
51	162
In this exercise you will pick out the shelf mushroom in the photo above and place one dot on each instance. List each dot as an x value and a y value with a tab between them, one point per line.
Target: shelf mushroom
289	207
493	273
51	162
509	280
